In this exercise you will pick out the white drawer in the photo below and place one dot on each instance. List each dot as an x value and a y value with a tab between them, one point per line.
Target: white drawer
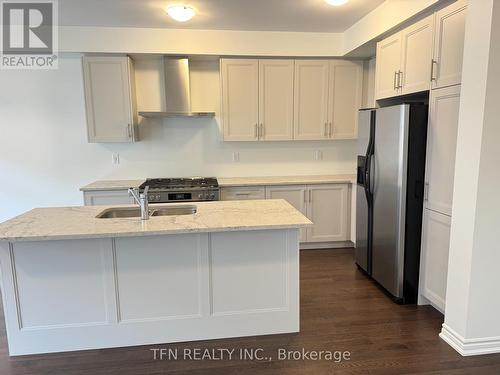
243	193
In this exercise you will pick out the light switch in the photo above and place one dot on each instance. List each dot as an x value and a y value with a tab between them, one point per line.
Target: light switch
236	157
115	158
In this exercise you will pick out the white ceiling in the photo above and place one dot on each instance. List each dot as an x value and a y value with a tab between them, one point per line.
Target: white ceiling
258	15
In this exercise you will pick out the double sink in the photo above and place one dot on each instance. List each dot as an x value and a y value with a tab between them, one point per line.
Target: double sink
131	212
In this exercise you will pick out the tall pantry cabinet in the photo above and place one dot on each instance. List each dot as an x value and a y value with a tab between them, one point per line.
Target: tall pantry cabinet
444	105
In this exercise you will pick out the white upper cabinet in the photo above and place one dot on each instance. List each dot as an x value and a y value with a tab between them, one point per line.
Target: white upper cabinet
109	85
449	45
441	148
311	99
240	99
346	92
328	209
283	99
388	67
425	55
276	99
416	56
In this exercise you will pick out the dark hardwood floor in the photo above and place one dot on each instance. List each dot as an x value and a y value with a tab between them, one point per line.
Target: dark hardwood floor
341	310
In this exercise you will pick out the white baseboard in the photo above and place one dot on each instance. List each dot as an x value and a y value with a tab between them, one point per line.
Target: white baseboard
325	245
468	347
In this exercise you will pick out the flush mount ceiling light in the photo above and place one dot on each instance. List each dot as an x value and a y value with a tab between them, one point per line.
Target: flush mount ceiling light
181	13
337	3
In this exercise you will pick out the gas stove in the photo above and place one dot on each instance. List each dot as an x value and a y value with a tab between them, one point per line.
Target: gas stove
190	189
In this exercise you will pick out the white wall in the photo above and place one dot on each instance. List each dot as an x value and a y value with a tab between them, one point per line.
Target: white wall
472	305
369	83
45	157
198	42
382	19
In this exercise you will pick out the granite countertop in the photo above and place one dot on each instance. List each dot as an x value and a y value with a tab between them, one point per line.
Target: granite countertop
234	181
112	185
80	222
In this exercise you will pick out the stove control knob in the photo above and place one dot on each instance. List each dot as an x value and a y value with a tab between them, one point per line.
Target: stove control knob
200	196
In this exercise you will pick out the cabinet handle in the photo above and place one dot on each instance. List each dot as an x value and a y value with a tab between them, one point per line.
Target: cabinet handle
256	131
325	133
129	130
242	194
395	80
400	79
262	130
426	192
310	196
433	63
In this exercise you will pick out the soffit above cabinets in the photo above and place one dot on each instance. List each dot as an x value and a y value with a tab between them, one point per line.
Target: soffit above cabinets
254	15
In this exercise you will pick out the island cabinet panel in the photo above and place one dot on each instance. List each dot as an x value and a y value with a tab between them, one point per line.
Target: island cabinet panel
174	286
232	277
78	299
78	294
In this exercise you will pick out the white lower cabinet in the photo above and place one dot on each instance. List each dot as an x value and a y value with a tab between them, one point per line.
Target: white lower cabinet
106	198
328	209
295	195
242	193
326	205
434	257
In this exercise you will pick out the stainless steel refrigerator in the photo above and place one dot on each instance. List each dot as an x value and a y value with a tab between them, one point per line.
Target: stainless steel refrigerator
389	199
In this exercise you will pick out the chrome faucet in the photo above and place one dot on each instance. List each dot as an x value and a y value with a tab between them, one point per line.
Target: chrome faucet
142	200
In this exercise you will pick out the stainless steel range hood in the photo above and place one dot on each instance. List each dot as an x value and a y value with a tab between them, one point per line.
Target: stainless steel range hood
177	90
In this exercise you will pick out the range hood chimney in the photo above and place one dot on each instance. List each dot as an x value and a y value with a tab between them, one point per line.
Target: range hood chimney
177	90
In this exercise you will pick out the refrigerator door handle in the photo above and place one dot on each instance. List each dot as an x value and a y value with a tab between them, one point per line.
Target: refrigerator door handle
368	160
367	173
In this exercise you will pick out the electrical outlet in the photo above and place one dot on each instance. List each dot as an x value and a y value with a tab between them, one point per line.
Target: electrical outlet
115	158
236	157
318	155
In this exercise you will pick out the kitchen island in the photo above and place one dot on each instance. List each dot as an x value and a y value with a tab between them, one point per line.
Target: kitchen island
72	281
